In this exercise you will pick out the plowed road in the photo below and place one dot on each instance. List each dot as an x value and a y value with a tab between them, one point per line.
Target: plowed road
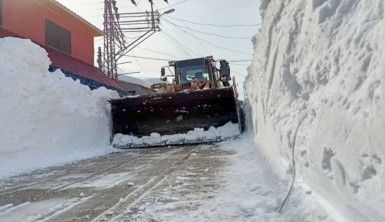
116	187
196	183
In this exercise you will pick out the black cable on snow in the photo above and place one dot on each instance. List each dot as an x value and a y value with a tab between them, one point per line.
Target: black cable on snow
294	166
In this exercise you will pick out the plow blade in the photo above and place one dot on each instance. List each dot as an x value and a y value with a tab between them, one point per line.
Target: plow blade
174	113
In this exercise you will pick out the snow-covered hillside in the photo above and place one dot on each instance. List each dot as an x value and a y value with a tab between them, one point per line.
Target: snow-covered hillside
316	86
46	118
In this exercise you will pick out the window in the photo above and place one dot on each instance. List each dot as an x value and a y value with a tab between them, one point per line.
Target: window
1	12
57	37
190	73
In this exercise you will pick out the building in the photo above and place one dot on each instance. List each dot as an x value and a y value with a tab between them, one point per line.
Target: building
68	38
135	89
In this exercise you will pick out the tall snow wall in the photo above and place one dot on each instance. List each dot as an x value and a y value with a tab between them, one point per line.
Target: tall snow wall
46	118
317	87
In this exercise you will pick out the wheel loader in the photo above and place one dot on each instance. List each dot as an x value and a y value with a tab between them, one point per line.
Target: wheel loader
194	94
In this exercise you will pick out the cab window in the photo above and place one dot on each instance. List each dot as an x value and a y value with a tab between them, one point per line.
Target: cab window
191	73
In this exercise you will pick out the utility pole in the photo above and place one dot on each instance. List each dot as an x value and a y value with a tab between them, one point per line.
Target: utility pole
117	24
113	38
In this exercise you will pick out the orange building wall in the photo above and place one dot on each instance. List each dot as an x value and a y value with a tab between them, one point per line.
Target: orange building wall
27	19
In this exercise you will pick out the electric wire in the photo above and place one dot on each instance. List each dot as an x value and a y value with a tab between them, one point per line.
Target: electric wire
215	25
210	43
176	42
173	5
147	58
139	64
213	34
203	40
155	51
188	43
162	59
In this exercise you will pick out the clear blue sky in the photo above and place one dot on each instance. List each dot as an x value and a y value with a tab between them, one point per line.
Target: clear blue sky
173	43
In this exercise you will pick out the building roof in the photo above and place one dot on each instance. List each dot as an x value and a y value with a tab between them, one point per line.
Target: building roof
95	31
73	65
80	68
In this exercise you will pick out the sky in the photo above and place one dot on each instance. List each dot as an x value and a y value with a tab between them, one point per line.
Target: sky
179	37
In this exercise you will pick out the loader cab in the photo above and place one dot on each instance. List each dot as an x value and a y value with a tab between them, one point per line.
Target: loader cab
181	74
200	69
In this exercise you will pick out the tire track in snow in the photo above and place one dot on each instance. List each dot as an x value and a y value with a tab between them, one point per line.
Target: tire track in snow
26	185
10	207
151	163
103	199
120	208
116	167
146	188
21	192
99	173
62	209
14	189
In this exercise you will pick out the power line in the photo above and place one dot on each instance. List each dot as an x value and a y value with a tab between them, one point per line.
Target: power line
166	59
201	45
139	64
155	51
213	34
210	43
187	43
173	5
215	25
148	58
176	42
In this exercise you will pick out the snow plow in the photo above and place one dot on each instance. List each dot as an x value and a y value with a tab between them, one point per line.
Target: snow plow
200	102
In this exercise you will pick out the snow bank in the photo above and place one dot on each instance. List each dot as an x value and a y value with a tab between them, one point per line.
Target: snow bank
316	85
228	131
46	118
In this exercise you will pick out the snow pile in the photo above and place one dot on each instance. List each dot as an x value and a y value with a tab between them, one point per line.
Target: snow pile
316	85
228	131
46	118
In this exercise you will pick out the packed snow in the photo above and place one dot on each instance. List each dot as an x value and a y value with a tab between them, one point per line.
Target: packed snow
104	181
316	88
46	118
228	181
38	211
228	131
250	192
247	191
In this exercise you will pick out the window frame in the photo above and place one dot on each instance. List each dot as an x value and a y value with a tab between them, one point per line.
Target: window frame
58	37
1	12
